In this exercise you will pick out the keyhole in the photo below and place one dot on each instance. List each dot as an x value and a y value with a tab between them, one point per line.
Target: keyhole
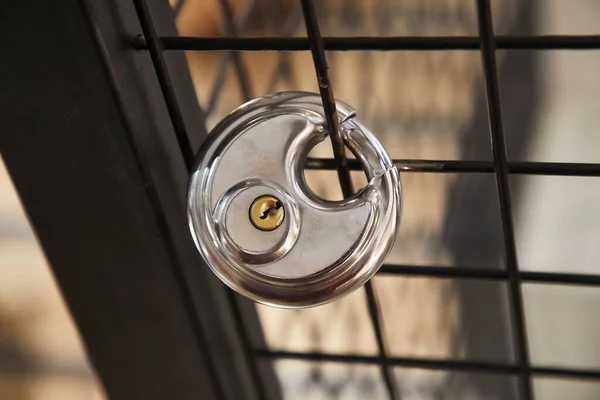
271	210
266	213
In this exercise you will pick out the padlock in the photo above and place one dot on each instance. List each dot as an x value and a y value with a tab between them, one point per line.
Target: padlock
259	226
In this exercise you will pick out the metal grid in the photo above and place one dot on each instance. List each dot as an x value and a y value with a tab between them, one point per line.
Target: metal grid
487	44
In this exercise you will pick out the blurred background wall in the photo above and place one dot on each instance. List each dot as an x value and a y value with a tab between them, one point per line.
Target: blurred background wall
41	355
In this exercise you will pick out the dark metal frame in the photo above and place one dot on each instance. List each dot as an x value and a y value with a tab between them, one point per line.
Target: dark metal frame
99	139
98	156
487	43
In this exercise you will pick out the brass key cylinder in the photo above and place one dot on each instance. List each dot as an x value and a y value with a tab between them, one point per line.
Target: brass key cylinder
267	213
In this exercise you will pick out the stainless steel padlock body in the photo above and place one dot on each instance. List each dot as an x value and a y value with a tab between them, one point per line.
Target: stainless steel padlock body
259	226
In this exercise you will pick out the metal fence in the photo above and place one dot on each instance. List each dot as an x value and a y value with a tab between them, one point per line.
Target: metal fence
487	44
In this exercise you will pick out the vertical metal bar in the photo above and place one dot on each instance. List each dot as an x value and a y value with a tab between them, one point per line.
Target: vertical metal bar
333	124
188	154
166	84
317	49
176	117
488	56
374	314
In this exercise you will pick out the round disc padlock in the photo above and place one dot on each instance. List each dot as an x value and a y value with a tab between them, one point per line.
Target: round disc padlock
259	226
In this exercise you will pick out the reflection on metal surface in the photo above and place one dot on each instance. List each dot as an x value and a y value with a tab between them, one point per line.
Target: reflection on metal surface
322	250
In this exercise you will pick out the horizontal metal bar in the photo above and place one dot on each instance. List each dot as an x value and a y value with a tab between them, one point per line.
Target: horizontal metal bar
489	274
549	42
566	373
433	364
461	166
444	272
447	166
454	365
560	278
